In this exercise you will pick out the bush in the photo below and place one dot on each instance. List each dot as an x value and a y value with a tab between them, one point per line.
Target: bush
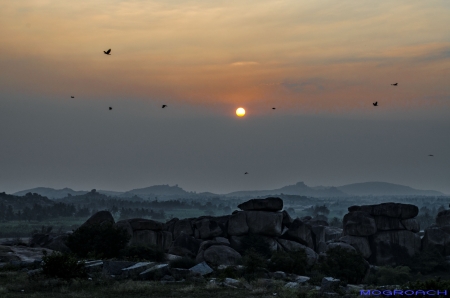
65	266
386	275
101	241
142	252
184	263
428	261
348	266
256	243
254	263
289	262
431	284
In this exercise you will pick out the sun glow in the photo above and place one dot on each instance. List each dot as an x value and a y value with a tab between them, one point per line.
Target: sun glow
240	112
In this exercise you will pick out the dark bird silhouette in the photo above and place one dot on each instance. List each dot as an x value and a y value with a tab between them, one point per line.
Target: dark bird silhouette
72	97
110	108
430	155
395	84
163	106
245	173
375	104
107	52
273	108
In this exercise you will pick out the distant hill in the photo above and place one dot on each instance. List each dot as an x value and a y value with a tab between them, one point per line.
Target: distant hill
51	193
384	189
28	200
300	189
157	190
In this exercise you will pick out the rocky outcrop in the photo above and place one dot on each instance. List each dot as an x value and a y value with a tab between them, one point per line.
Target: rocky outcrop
185	245
382	233
267	204
99	218
443	218
264	223
219	255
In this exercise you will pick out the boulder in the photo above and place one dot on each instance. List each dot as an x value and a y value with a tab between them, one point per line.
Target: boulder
219	255
160	239
299	232
136	269
201	268
264	223
386	223
443	218
185	245
145	224
236	242
342	245
170	224
99	218
390	245
154	272
237	224
288	245
125	225
437	238
115	267
361	244
397	210
329	284
287	219
359	223
411	224
267	204
208	228
182	226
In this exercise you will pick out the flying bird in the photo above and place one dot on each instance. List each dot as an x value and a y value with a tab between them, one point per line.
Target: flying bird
395	84
110	108
273	108
72	97
375	104
245	173
107	52
430	155
163	106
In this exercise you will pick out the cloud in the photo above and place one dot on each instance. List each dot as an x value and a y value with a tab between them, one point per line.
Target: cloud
244	63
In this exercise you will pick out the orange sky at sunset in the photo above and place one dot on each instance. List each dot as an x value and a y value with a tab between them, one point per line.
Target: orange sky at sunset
307	55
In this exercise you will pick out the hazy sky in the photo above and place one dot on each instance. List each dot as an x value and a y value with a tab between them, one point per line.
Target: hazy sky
320	63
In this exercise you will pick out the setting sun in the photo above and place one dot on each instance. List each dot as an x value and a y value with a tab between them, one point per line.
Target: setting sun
240	112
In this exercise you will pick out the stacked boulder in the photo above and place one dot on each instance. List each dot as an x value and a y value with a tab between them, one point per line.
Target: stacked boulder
382	232
437	236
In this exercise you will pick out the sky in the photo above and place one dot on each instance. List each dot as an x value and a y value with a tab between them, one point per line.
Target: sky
320	63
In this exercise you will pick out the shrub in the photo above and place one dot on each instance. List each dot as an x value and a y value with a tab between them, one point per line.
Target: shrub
431	284
387	275
254	263
184	263
103	241
428	261
256	243
289	262
142	252
65	266
348	266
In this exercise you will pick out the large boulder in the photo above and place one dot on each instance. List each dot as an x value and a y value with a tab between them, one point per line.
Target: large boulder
386	223
185	245
359	223
311	255
207	229
125	225
397	210
237	224
219	255
265	223
437	238
300	232
99	218
160	239
267	204
361	244
342	245
443	218
145	224
182	226
411	224
391	245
